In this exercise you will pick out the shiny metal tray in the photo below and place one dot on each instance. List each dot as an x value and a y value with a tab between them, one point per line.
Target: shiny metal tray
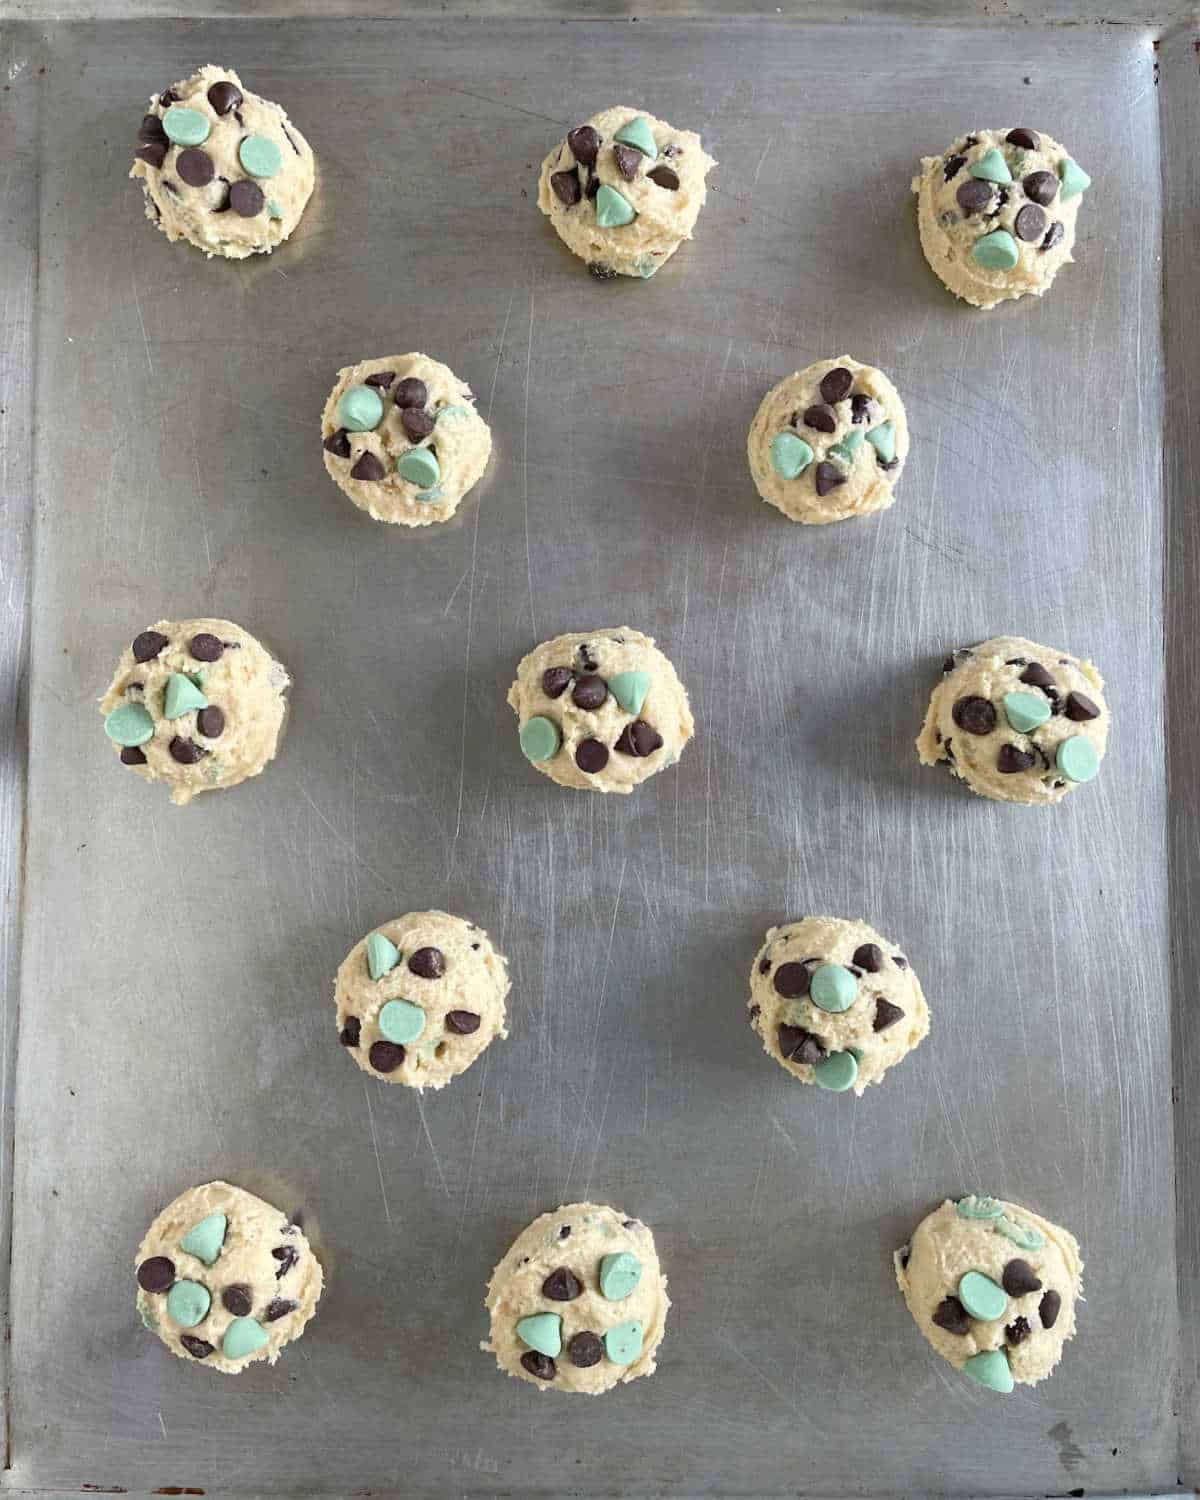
174	1019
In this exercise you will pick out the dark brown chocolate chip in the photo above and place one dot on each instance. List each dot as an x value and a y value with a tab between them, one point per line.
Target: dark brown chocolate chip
869	956
860	407
973	196
147	645
195	167
584	142
381	380
585	1350
210	722
540	1365
368	467
167	98
287	1256
898	958
223	206
564	1231
1037	676
1080	708
246	198
1027	139
601	270
562	1285
663	177
555	681
1012	760
800	1046
154	152
156	1274
206	647
591	756
1029	223
835	386
197	1348
351	1032
462	1022
224	96
952	166
627	159
1053	235
338	444
279	1307
385	1057
186	752
764	966
170	187
417	424
412	392
970	140
791	980
427	963
132	756
820	418
590	691
975	715
1017	1331
951	1315
151	129
237	1300
1049	1308
1040	187
829	476
566	187
638	738
1018	1278
886	1014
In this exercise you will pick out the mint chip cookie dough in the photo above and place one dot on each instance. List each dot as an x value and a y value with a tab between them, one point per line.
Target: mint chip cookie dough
993	1288
624	190
420	998
835	1003
997	213
829	442
221	167
402	438
198	704
1016	721
601	710
225	1279
580	1302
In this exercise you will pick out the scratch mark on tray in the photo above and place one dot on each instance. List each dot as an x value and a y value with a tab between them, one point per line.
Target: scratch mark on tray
757	1370
375	1147
766	149
525	454
339	836
502	104
432	1148
466	1199
162	1424
454	592
791	1143
137	302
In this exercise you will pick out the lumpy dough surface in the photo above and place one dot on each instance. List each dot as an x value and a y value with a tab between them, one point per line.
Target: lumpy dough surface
835	1003
1016	721
997	213
829	442
580	1302
600	709
420	997
1010	1317
221	167
624	190
424	447
225	1279
198	704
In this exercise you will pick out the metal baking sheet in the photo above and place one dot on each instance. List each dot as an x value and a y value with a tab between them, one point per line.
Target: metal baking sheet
174	1019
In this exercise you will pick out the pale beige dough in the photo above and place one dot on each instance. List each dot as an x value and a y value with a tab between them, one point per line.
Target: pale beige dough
949	231
948	1243
245	683
863	477
990	671
280	1290
784	965
575	1239
196	214
665	216
461	441
626	739
471	987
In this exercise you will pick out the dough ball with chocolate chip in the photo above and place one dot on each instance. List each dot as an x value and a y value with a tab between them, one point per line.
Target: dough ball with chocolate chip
1016	721
993	1288
835	1003
420	998
579	1303
221	167
198	704
624	190
829	442
224	1279
402	438
602	710
997	213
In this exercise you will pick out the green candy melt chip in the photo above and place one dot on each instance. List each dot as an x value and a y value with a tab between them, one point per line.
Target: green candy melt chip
982	1297
429	497
991	167
612	210
623	1342
833	988
543	1332
977	1206
419	466
260	156
1025	711
129	724
401	1021
451	411
243	1336
382	955
790	455
848	447
1025	1236
188	1303
360	409
996	251
182	696
990	1369
205	1239
540	738
274	209
837	1072
637	133
619	1275
1077	758
186	127
1073	178
883	440
630	689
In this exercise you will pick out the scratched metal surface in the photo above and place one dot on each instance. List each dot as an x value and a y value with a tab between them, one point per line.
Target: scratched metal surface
175	1018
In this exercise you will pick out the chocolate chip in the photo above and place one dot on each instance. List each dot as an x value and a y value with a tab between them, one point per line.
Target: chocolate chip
951	1315
279	1307
154	152
381	380
385	1057
591	756
584	142
1027	139
673	150
427	963
898	958
1053	235
585	1350
1037	676
1017	1331
799	1045
1049	1308
835	386
555	681
1001	200
821	418
638	738
1040	187
147	645
210	722
627	159
224	96
411	392
599	269
205	647
869	957
287	1256
186	752
195	167
151	129
764	966
368	467
791	980
132	756
1018	1278
246	198
1011	760
167	98
156	1274
973	195
197	1348
975	715
566	187
417	424
1029	223
589	692
829	476
562	1285
564	1232
237	1300
664	177
970	140
351	1032
886	1014
540	1365
1080	708
860	407
338	444
170	187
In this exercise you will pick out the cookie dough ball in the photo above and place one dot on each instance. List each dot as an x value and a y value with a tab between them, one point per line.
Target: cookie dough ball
600	709
1016	721
834	1003
993	1289
225	1279
198	704
220	167
829	442
624	191
580	1302
997	213
402	438
420	998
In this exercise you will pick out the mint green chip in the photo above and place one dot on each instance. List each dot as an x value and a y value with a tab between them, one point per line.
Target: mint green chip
260	156
848	447
129	724
182	696
982	1297
790	455
978	1206
382	955
540	738
1025	711
205	1239
401	1021
360	409
623	1342
1077	758
991	167
630	689
637	133
1025	1236
996	251
883	440
833	987
186	127
543	1332
188	1303
429	497
1073	178
991	1369
836	1072
274	209
243	1336
419	466
619	1275
612	210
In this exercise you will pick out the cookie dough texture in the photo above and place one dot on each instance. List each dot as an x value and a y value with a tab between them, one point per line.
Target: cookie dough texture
885	1014
829	442
198	704
420	998
205	192
997	213
225	1279
602	710
661	198
423	406
1035	1268
590	1279
1016	721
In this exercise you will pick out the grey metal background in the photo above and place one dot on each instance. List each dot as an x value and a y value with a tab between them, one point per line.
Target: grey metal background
175	1018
